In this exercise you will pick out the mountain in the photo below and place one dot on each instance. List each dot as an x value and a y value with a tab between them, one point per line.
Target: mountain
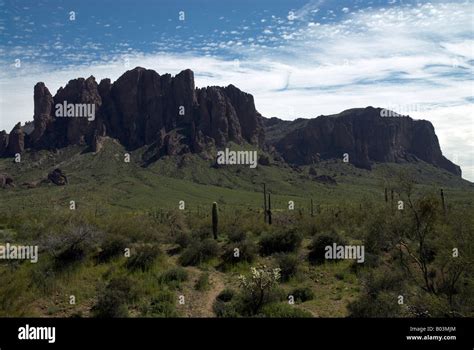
169	116
364	134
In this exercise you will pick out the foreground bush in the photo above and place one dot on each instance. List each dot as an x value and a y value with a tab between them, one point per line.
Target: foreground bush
199	252
280	241
239	252
72	246
237	235
202	284
226	295
318	247
161	305
183	240
289	265
302	294
382	286
383	304
113	300
258	286
174	276
112	247
143	258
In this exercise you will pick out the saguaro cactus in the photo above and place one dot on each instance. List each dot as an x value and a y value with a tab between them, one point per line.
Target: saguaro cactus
265	203
391	198
215	219
269	209
442	201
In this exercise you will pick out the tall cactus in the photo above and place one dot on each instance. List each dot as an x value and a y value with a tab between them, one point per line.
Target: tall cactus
265	202
215	219
443	203
269	209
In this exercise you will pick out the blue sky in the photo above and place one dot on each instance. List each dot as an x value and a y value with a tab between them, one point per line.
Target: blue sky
298	58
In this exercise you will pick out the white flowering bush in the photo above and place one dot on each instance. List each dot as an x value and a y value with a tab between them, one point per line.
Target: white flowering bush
258	285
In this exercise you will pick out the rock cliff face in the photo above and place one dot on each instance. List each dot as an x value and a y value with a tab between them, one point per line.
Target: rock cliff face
42	113
141	108
3	142
170	116
366	137
16	141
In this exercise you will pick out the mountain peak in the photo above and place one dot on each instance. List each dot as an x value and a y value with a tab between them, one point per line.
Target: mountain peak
168	115
366	137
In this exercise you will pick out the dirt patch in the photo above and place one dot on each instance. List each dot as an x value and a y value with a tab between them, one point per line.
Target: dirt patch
199	303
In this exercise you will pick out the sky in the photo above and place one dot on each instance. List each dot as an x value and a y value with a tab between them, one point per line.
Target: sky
298	58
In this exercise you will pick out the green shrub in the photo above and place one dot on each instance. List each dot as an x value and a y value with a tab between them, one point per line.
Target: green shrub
258	289
318	247
289	265
161	305
43	276
222	309
382	286
247	251
382	305
202	284
72	246
226	295
283	311
199	252
280	241
113	300
174	275
302	294
183	239
224	305
111	247
110	306
236	235
143	258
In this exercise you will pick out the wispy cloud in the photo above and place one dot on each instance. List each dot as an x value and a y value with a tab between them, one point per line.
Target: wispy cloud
417	58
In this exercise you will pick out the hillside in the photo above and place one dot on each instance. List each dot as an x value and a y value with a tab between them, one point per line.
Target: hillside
134	215
103	179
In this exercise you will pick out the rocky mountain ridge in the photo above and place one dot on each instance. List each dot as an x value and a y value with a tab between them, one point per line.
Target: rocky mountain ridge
170	116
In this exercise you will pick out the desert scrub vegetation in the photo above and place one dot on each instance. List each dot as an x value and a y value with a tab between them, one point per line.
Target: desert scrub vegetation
114	298
238	252
281	240
288	265
418	261
143	257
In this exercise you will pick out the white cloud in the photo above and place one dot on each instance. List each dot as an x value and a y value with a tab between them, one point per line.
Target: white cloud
400	56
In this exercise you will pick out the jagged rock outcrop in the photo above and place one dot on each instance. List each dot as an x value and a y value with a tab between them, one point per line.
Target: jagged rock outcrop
42	114
3	142
6	181
170	116
312	171
264	160
78	130
16	141
167	114
326	179
366	137
58	177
